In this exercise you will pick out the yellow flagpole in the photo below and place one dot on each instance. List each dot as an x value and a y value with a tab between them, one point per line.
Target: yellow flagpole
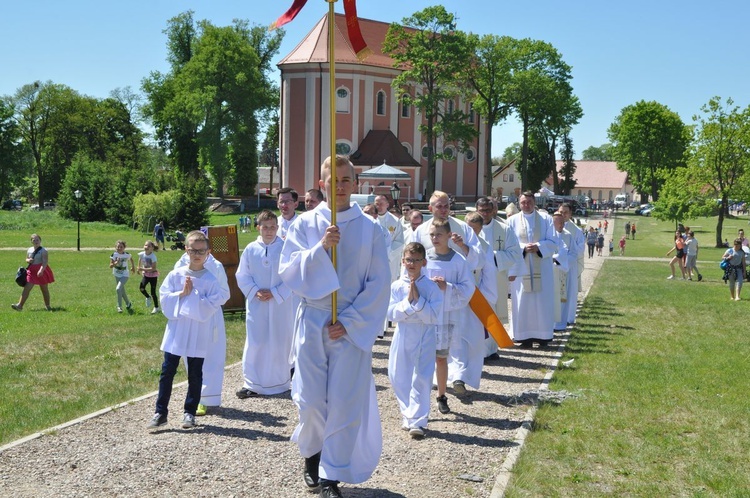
332	110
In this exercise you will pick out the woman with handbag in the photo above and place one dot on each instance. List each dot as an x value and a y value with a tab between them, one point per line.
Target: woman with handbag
38	273
734	273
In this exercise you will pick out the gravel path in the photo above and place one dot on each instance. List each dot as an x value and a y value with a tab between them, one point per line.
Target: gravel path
243	448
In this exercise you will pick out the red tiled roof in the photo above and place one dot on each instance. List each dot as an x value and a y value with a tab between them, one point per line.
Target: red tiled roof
314	47
596	174
382	146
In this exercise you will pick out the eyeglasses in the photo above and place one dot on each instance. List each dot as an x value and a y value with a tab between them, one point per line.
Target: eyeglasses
198	252
411	261
286	201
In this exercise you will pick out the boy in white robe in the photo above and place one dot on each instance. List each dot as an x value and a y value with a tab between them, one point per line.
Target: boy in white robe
468	346
562	259
216	357
190	296
576	250
416	304
269	313
450	271
339	432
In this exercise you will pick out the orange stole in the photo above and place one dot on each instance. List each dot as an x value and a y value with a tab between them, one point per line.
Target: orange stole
489	319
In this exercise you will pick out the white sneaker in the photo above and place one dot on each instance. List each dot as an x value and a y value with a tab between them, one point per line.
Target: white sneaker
155	311
670	277
416	433
119	310
188	421
148	302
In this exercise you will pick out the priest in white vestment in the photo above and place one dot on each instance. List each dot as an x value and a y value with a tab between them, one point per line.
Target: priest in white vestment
576	251
532	287
393	226
562	259
339	432
287	200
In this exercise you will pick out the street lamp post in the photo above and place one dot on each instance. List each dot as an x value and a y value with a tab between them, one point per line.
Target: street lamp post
78	194
395	193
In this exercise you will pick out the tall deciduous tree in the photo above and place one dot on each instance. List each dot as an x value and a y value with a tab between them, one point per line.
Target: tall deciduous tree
489	74
540	94
433	58
13	165
720	155
601	153
649	141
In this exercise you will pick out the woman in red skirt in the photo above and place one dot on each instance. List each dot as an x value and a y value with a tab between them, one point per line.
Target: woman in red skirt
38	273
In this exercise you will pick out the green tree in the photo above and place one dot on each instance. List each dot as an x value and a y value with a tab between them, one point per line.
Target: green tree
13	164
648	141
568	183
601	153
433	57
720	154
540	94
489	74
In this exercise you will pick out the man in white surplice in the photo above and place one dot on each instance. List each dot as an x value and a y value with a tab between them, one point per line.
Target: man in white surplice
339	432
564	261
463	239
393	225
576	250
506	254
532	287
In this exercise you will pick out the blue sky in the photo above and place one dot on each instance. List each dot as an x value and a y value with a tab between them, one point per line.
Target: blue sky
678	53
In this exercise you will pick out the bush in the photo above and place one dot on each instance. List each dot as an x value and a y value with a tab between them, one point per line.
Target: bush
150	208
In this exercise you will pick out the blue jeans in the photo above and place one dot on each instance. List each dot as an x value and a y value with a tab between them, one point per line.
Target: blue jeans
195	383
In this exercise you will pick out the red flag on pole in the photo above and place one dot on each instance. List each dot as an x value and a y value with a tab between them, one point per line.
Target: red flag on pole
352	25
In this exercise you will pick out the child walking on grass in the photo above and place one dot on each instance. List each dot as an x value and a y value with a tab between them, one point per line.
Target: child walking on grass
119	262
147	268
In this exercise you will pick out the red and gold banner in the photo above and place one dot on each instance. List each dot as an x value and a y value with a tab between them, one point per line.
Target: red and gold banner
352	25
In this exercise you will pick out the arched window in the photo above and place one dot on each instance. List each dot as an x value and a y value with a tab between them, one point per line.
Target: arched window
450	107
380	109
471	113
407	146
405	107
342	100
449	153
600	195
424	151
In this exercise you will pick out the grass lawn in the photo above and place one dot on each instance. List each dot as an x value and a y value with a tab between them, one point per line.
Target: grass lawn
663	407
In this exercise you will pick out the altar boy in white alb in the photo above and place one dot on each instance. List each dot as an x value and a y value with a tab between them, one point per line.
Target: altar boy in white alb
339	432
415	307
269	314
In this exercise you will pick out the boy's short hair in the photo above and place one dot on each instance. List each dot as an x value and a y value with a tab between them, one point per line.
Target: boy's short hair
197	235
325	167
415	248
474	217
442	225
266	215
124	244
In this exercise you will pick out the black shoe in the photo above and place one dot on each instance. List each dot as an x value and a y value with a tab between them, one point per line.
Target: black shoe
330	489
246	393
311	471
442	402
527	344
700	277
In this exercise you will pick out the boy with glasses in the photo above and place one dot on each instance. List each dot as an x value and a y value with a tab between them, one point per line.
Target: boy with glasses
415	307
190	296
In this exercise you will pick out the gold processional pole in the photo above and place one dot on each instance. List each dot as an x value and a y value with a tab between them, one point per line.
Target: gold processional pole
332	110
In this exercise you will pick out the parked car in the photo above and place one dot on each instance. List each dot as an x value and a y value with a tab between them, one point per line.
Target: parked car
642	207
12	204
647	211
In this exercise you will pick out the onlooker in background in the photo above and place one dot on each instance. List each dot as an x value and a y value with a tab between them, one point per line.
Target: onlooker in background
119	262
632	230
735	271
599	243
679	250
147	268
406	209
591	241
622	246
313	197
38	273
691	249
159	235
627	229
